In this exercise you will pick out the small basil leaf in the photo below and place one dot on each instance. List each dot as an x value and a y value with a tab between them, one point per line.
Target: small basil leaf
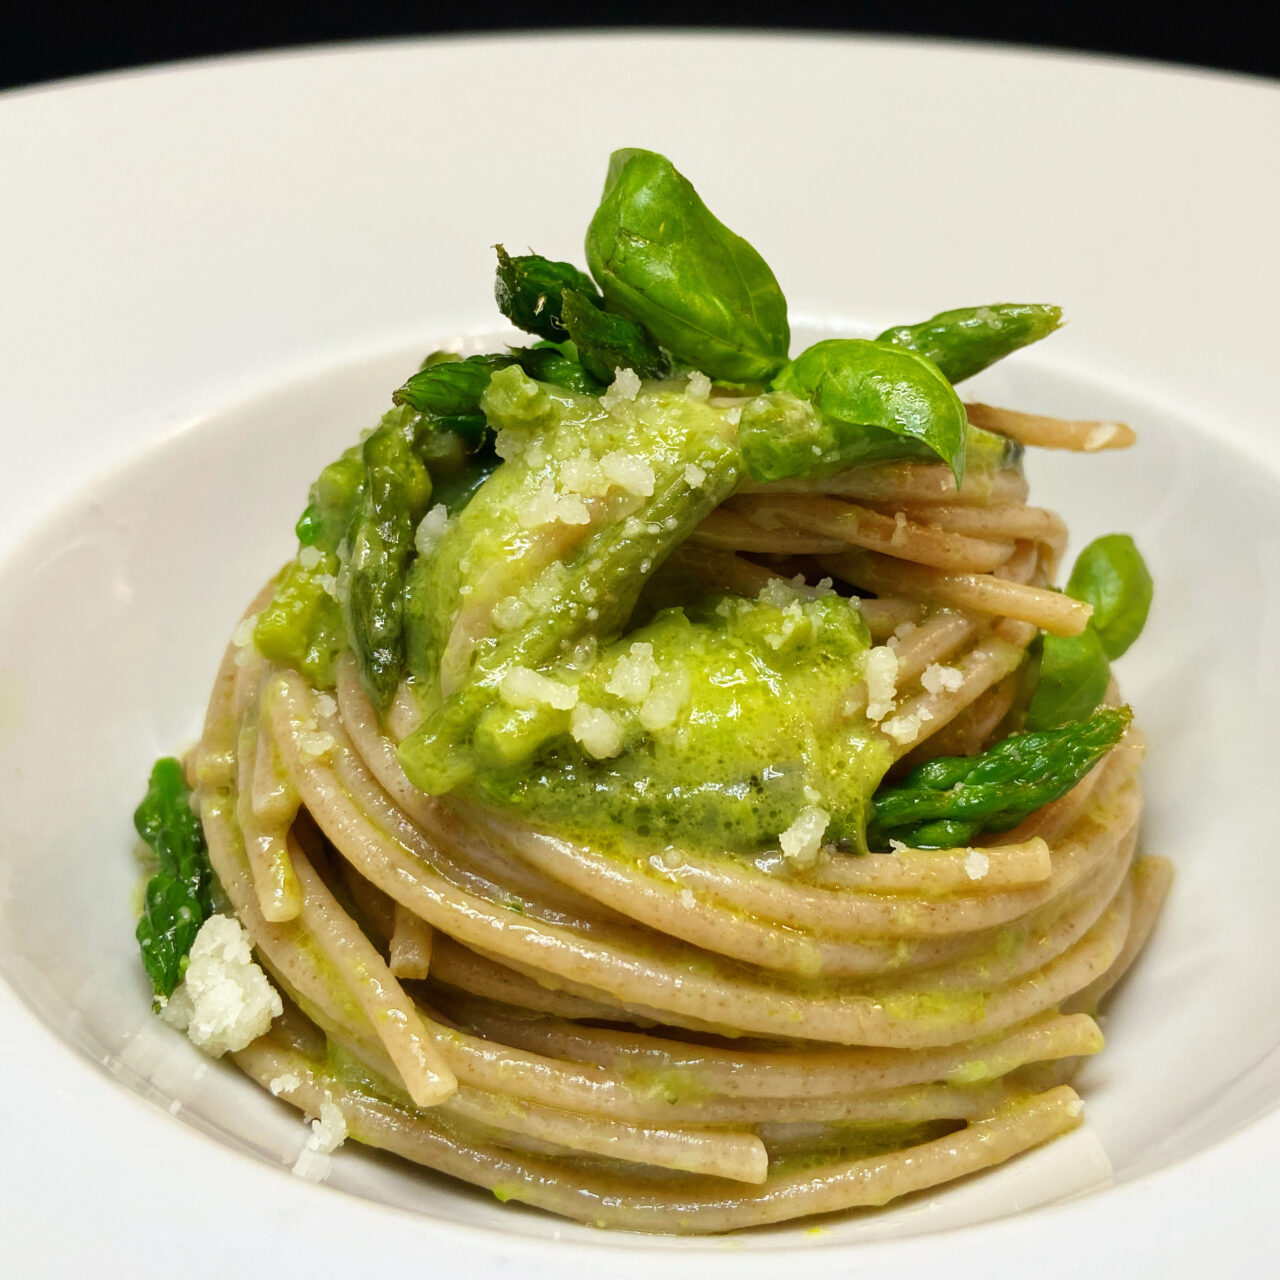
662	258
1074	674
1111	575
965	341
855	385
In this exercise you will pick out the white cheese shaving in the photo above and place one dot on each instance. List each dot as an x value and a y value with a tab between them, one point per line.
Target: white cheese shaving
510	612
694	476
524	687
629	472
937	678
699	387
802	840
880	671
633	674
975	864
667	699
328	1133
309	557
284	1084
547	507
599	733
626	386
224	1000
906	728
430	530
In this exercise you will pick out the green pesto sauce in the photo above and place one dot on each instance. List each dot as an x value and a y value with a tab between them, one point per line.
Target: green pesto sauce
716	723
759	730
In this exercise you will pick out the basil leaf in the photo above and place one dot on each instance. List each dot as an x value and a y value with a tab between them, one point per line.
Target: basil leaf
864	392
662	258
1074	674
1111	575
965	341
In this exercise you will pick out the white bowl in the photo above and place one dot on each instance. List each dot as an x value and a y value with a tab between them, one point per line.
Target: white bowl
142	517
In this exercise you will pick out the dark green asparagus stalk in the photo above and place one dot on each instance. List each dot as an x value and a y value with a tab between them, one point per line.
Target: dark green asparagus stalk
528	291
947	801
965	341
176	901
606	342
396	493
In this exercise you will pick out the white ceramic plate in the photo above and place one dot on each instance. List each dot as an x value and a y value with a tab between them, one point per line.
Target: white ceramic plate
211	277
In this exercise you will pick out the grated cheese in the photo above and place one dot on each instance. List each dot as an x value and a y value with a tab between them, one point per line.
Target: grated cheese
599	733
524	687
880	671
699	386
224	1000
626	386
937	678
430	530
802	840
629	472
633	674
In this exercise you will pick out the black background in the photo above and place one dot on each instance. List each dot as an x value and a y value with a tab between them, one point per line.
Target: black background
47	40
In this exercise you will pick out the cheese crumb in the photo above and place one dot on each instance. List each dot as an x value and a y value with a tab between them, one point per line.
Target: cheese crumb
315	746
524	687
897	846
880	670
629	472
906	728
431	529
667	699
599	733
633	674
778	592
938	678
694	476
510	612
626	386
284	1084
224	1001
975	864
582	474
309	557
326	705
803	838
328	1133
547	507
699	386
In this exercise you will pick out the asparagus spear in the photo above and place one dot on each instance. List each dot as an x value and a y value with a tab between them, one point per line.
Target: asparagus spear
947	801
176	900
396	492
